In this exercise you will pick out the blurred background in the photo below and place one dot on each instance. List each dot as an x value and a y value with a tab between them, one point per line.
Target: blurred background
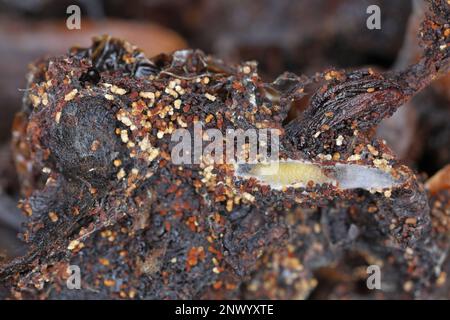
301	36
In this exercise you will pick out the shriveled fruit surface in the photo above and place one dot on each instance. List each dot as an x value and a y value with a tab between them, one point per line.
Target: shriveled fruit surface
93	151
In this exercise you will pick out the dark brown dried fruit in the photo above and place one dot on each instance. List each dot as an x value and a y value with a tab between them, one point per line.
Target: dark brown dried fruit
140	226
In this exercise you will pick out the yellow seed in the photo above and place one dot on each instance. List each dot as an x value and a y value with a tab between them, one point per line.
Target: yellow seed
70	95
177	104
73	244
210	97
117	90
109	282
147	95
109	97
121	174
53	216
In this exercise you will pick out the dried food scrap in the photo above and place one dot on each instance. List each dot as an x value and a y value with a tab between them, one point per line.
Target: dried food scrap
420	132
93	149
24	41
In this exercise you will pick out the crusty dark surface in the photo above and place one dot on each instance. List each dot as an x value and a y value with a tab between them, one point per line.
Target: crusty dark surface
93	153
